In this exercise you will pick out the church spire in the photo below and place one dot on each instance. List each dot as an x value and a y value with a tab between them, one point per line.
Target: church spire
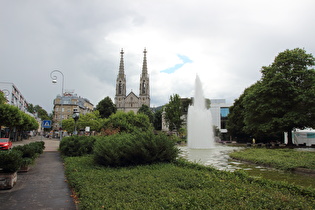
144	90
121	65
144	65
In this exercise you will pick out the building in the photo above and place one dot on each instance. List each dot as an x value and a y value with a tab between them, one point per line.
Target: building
66	105
13	95
219	111
131	102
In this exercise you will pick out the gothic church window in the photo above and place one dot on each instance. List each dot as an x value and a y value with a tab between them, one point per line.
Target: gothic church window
119	88
143	86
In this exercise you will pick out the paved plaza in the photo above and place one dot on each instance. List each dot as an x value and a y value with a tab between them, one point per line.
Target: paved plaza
44	186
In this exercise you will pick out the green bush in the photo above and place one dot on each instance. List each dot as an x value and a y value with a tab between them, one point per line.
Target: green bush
134	149
77	145
10	161
28	151
38	146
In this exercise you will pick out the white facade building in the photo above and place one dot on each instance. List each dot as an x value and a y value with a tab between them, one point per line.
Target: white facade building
219	111
13	95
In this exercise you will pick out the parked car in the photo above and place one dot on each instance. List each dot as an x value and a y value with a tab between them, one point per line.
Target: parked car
5	144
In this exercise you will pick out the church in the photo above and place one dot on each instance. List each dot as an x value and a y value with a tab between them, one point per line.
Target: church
132	102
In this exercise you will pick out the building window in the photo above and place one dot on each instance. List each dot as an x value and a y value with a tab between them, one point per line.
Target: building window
224	111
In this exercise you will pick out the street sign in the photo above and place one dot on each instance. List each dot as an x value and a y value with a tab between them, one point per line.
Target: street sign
46	123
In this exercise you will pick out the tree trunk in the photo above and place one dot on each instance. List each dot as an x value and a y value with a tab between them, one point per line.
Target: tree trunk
290	142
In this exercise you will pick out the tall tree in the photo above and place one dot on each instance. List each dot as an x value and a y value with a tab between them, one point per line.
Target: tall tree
173	113
106	107
235	123
284	99
157	122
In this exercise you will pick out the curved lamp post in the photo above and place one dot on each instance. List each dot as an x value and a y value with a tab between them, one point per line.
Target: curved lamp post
54	80
75	116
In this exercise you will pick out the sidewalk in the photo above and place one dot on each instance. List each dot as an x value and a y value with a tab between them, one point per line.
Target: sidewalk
43	186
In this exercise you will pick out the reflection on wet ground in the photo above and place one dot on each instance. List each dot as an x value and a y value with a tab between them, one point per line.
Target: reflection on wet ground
218	158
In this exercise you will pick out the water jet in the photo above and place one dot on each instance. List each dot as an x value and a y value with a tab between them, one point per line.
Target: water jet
199	121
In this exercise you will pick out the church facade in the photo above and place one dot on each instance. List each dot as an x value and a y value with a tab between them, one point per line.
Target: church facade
132	102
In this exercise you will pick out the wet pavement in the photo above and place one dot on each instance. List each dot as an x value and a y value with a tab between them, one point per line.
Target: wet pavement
44	186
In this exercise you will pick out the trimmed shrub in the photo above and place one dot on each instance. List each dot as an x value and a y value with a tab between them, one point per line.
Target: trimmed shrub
38	146
28	151
77	145
10	161
136	148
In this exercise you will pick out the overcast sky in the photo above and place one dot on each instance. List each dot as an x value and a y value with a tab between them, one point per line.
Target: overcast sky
225	42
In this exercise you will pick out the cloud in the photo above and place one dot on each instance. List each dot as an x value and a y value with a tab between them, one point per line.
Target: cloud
228	42
184	60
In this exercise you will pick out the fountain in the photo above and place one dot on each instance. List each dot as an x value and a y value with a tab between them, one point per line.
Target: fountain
199	121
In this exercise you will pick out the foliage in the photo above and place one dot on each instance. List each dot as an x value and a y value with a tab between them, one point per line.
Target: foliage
235	123
68	125
106	107
109	131
282	100
2	98
286	159
144	109
179	185
41	113
134	149
30	151
77	145
12	117
128	122
92	120
10	160
157	122
38	146
173	113
27	150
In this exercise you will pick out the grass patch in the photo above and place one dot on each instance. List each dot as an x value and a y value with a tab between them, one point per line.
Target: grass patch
178	185
285	159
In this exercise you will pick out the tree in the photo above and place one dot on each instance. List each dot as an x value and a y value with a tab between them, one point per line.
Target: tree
12	117
128	122
173	113
106	107
30	108
68	125
42	113
157	122
144	109
235	123
2	98
284	99
92	120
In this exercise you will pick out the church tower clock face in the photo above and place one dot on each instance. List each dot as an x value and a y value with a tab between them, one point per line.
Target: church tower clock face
132	102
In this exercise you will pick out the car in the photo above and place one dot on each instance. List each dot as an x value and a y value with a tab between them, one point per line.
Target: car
5	144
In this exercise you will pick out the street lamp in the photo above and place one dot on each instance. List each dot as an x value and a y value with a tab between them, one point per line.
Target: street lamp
54	80
75	116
